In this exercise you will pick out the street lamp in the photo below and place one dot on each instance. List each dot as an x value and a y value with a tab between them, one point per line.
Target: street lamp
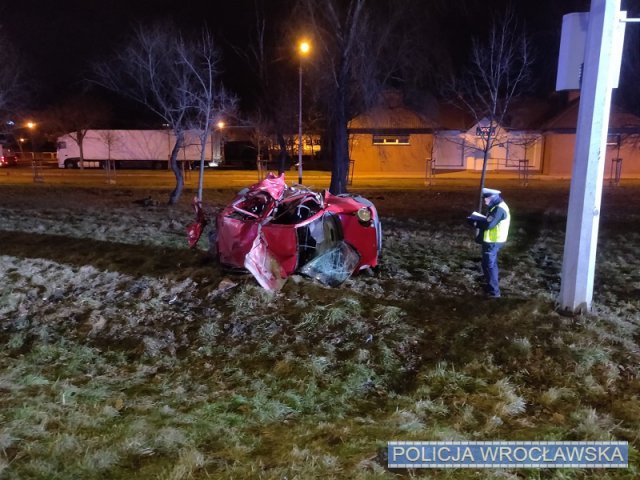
37	177
303	48
215	154
31	126
218	149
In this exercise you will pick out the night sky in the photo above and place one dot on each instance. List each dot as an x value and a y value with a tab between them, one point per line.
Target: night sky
59	39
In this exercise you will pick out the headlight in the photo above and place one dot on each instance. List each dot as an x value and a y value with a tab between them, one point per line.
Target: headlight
364	215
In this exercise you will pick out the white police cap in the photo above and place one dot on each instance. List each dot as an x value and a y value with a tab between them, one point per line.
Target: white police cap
489	192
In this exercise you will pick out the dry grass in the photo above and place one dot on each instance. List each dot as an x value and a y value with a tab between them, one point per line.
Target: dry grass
123	355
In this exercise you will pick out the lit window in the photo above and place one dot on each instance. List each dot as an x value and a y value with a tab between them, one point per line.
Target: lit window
391	139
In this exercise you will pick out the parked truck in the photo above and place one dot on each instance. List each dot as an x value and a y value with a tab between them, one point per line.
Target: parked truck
133	149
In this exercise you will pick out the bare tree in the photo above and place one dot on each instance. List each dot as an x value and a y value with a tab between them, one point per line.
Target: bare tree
208	98
628	90
10	76
149	70
111	140
359	48
261	129
265	55
76	116
338	33
499	71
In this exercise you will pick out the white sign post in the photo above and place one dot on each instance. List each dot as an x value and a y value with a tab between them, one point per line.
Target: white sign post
601	67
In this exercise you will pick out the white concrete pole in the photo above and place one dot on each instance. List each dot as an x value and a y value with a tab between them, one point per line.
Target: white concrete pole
576	290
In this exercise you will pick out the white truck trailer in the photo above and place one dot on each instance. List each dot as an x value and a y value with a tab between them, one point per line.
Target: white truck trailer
133	149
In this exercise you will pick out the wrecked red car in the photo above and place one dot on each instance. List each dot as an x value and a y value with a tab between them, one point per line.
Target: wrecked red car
274	230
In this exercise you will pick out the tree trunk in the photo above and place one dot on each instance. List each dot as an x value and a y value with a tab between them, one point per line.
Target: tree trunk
283	156
203	151
339	134
173	161
80	137
485	158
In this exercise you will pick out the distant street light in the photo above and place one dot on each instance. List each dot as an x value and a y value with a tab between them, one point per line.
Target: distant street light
216	144
304	47
32	126
37	175
216	155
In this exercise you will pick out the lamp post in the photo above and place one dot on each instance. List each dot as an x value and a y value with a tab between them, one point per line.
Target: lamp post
37	177
303	48
218	149
31	126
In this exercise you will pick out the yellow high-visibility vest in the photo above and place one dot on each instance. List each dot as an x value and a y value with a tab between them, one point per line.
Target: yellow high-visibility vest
500	232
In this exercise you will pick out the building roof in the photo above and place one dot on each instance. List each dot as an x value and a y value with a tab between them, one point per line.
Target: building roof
526	114
451	117
391	114
567	120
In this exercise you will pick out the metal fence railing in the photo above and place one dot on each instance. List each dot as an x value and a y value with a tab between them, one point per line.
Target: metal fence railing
29	156
429	173
523	172
352	165
36	166
616	171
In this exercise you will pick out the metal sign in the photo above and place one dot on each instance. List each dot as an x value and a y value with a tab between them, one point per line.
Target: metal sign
571	56
572	50
485	131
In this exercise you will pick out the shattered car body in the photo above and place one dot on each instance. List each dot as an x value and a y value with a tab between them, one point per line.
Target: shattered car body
273	231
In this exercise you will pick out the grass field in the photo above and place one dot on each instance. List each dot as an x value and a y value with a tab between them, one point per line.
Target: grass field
125	355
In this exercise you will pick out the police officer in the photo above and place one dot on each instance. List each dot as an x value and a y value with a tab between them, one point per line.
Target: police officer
494	233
